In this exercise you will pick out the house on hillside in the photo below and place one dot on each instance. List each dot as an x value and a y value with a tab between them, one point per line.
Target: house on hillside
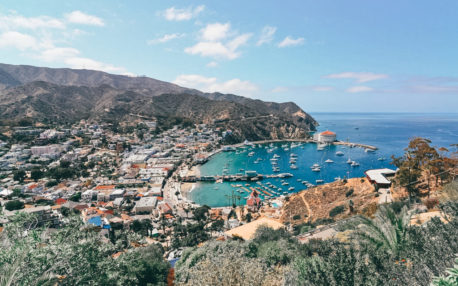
379	177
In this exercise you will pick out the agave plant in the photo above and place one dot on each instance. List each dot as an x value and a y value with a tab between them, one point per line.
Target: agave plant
451	279
387	230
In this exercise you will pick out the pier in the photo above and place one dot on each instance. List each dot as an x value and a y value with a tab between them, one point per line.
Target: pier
232	178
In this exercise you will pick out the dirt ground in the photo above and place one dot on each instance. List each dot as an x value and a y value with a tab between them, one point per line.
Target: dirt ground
316	203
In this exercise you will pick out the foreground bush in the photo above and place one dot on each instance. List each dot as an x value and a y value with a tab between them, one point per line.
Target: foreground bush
74	255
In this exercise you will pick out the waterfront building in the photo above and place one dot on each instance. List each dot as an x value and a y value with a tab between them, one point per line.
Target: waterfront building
325	137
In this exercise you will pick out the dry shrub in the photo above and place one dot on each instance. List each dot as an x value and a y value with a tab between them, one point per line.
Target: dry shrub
431	203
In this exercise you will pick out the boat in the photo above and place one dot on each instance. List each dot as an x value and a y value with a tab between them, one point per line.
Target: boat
299	180
292	155
337	179
354	164
286	175
349	161
276	156
381	159
291	189
329	161
305	182
319	181
284	183
286	149
316	169
339	153
292	166
315	166
251	154
368	150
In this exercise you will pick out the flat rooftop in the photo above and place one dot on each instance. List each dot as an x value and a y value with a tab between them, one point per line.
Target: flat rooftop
379	175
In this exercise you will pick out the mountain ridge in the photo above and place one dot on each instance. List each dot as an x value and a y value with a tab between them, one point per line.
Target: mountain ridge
68	95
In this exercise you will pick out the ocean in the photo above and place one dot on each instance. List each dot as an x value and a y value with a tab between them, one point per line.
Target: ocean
389	132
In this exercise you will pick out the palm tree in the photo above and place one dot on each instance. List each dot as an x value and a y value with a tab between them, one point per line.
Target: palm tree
387	230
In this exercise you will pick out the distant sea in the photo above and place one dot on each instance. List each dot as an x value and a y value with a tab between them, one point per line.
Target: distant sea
389	132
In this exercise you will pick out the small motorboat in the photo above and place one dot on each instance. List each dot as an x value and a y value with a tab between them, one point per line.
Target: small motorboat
339	153
319	181
329	161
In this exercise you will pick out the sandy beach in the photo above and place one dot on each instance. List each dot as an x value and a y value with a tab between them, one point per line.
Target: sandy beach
186	188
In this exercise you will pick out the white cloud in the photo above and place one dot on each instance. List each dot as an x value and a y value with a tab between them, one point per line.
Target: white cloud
289	42
212	49
15	21
17	40
165	38
280	89
71	57
267	35
323	88
90	64
218	41
58	54
78	17
212	64
45	43
215	31
358	76
174	14
356	89
211	84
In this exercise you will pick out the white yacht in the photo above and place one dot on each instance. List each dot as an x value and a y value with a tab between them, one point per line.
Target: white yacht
329	161
354	164
339	153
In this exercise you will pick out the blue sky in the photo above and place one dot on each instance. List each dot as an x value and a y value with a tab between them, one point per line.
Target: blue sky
347	56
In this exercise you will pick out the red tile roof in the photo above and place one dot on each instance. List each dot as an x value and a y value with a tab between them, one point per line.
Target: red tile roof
327	132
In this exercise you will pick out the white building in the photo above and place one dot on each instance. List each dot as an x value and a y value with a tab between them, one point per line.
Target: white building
46	150
325	137
145	204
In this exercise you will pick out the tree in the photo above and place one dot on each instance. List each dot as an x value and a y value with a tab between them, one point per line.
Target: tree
408	173
387	230
14	205
200	213
19	175
76	197
36	174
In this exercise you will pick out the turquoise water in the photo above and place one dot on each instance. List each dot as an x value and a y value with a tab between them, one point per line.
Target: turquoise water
389	132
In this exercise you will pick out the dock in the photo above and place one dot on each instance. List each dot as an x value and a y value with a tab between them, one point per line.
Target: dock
233	178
